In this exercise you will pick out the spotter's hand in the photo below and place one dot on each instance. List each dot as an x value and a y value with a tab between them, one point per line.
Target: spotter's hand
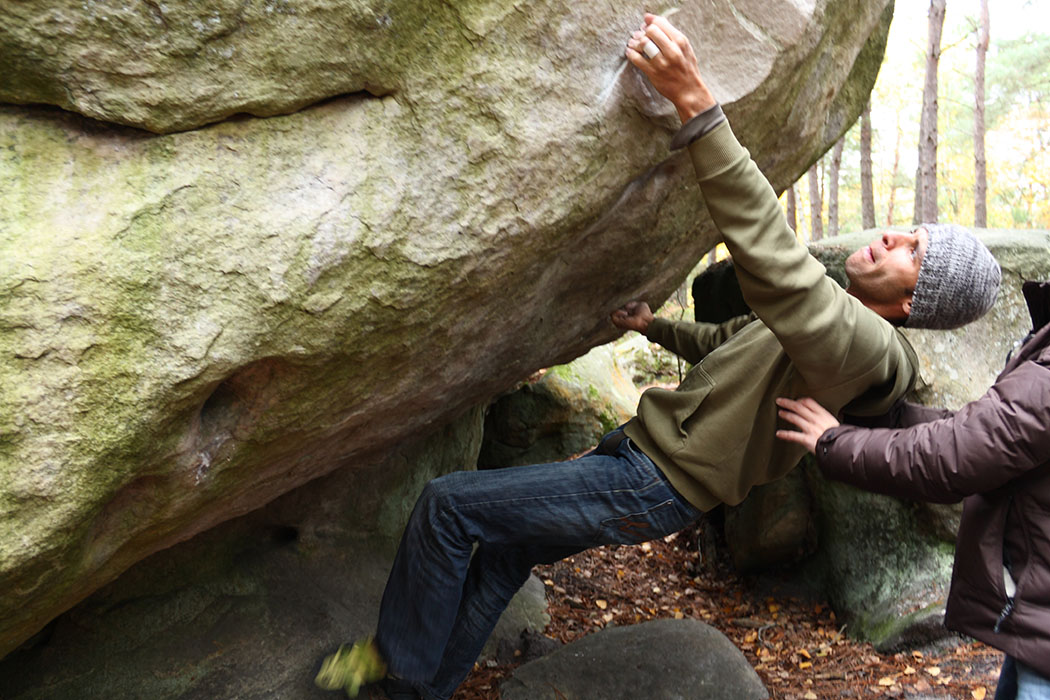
811	419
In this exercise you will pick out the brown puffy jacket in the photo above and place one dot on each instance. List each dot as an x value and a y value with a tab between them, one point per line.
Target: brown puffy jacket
995	454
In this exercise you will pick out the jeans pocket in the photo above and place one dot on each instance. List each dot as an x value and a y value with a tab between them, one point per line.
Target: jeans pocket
634	528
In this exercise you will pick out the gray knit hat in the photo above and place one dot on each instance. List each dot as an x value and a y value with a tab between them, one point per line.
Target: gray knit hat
958	280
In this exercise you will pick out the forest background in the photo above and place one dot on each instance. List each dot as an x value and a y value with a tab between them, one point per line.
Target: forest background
1017	88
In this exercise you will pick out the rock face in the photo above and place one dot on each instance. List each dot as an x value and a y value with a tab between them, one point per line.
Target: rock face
883	572
662	660
563	413
249	608
193	324
175	66
773	526
884	564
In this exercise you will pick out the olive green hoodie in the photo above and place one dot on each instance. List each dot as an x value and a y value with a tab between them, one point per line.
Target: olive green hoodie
714	437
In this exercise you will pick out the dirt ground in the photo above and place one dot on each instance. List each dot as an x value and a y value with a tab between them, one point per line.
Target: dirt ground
796	646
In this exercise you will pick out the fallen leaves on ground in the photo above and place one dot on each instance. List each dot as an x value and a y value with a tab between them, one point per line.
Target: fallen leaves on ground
797	647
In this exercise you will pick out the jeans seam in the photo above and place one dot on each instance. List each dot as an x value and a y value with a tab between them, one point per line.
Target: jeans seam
679	499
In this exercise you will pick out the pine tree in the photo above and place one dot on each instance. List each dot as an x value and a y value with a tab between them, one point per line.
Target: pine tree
867	193
980	183
926	180
833	187
816	204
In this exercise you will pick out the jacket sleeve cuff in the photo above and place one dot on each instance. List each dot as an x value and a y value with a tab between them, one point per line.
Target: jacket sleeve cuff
698	126
831	464
821	451
716	151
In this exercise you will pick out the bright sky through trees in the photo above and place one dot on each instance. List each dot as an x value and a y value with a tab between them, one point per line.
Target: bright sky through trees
1018	114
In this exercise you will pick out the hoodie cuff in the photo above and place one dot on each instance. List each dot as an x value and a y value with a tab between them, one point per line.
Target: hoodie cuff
698	126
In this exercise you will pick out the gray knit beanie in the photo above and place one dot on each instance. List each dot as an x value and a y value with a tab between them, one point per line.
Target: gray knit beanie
958	280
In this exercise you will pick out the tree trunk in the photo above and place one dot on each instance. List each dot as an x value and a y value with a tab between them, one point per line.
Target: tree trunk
895	173
792	208
926	182
980	181
833	187
816	204
867	190
916	217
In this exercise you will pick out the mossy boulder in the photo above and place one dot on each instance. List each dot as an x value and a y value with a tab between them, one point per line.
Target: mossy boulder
250	607
561	414
194	323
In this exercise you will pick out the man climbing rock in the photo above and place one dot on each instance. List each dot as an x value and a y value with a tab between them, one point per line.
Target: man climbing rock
473	537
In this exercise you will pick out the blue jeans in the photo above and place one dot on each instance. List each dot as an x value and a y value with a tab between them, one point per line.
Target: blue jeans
474	537
1019	682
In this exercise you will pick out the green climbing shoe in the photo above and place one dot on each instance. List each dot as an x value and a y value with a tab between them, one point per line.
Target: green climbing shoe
351	667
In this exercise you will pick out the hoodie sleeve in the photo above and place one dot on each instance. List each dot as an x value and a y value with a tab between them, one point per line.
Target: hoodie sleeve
830	336
692	341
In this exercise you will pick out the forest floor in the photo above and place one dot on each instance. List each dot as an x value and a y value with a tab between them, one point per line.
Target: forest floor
796	646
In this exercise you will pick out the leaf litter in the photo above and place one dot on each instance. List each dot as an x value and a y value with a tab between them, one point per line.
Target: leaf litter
798	647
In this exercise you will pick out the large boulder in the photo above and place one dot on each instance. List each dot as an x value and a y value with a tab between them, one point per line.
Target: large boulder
174	66
249	608
773	526
193	324
661	660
